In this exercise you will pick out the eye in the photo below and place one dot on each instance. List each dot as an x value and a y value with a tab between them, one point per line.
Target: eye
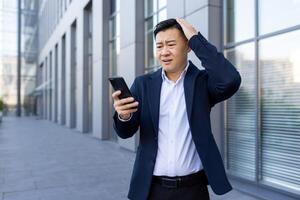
172	44
158	47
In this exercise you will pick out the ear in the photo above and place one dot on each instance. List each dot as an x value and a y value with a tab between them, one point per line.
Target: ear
188	49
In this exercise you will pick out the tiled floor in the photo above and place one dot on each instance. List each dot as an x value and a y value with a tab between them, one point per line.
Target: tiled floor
40	160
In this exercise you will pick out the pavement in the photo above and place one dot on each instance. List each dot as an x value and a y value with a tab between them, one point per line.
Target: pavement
40	160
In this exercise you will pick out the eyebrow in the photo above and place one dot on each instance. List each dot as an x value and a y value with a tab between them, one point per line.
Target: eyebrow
168	41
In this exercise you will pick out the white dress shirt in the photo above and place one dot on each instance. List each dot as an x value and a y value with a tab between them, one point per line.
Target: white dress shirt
177	155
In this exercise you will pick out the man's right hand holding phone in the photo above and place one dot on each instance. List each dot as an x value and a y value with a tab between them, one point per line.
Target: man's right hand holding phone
124	107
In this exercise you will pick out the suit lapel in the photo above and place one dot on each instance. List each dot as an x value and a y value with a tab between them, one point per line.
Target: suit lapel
189	85
154	88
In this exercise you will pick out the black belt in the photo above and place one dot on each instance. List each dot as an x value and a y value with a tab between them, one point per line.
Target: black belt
181	181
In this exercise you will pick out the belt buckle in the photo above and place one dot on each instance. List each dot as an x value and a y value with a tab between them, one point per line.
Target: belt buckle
169	183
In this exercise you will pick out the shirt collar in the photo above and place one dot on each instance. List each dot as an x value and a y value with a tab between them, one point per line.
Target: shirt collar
182	75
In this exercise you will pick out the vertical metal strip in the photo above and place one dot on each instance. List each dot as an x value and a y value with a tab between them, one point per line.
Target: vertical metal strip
225	134
258	99
19	24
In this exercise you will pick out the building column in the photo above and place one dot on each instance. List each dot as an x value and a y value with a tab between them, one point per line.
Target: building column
100	69
131	63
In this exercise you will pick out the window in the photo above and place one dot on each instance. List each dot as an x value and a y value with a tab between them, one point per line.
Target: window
239	20
155	11
63	80
114	37
241	115
263	117
73	102
88	66
55	81
46	81
280	101
275	15
50	86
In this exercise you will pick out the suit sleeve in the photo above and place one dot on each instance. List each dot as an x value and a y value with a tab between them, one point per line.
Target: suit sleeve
223	79
126	129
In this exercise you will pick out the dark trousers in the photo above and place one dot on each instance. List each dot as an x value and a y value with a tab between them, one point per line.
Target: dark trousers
196	191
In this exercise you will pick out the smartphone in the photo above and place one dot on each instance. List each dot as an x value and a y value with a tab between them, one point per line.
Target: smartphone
118	83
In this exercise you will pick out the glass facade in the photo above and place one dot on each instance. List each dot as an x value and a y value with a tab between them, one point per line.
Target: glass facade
276	15
239	12
280	109
9	53
262	119
241	117
50	14
29	46
114	37
155	11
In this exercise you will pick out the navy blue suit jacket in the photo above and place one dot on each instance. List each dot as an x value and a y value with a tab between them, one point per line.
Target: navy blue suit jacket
203	89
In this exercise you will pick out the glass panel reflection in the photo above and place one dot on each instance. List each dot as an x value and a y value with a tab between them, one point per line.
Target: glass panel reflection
162	15
162	3
241	115
150	6
240	20
277	14
155	11
149	44
280	72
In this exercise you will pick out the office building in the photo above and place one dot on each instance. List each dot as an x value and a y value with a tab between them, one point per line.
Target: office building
83	42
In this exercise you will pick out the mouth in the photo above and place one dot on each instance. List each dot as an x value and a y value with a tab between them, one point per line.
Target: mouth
167	61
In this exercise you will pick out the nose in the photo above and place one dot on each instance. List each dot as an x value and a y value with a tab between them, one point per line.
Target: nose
165	51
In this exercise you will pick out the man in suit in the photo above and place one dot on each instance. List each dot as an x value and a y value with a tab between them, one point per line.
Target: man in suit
177	156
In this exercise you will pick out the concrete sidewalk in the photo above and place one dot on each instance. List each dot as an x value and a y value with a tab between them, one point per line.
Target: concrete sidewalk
40	160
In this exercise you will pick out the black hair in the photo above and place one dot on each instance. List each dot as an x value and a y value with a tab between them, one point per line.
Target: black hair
166	24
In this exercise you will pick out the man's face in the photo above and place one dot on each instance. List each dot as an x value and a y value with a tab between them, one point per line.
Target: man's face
171	50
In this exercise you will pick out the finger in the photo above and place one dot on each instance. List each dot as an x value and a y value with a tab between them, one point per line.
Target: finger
127	112
129	106
116	94
184	23
126	106
179	21
124	101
